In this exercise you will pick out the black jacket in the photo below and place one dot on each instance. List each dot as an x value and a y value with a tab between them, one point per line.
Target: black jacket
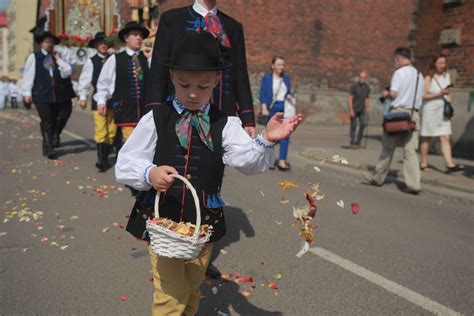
233	96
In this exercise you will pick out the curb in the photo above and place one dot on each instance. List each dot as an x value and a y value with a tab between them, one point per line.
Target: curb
399	176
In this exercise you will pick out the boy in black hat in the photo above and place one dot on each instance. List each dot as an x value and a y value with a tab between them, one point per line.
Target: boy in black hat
105	128
46	82
122	80
190	137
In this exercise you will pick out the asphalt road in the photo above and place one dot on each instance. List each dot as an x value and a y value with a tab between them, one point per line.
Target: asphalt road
410	255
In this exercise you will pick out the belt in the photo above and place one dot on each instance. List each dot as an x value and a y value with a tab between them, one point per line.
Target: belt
400	107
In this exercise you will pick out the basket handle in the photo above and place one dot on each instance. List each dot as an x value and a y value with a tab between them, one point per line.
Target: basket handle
197	229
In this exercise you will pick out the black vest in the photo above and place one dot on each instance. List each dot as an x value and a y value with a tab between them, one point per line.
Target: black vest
129	91
47	88
98	63
205	171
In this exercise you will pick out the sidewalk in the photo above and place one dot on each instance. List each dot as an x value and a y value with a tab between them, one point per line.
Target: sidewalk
319	141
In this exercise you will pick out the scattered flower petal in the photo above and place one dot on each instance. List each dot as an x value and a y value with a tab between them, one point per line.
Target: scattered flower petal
245	293
273	286
355	208
340	203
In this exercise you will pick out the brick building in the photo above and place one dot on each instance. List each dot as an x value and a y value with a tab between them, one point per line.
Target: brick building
326	43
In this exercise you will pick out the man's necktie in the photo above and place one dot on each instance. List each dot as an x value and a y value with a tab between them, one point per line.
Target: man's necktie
137	67
214	26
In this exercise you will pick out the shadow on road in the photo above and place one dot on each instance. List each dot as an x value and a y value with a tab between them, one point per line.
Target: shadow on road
73	147
229	299
236	222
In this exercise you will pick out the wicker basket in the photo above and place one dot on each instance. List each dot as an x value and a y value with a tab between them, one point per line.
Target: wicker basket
167	243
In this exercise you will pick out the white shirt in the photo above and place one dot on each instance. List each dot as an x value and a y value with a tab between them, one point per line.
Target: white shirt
4	85
86	78
106	83
203	11
65	71
13	90
135	159
279	92
404	83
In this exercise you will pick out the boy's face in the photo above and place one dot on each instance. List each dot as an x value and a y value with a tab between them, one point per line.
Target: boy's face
194	88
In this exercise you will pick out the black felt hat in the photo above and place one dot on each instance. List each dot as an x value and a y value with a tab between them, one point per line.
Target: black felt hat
42	36
99	36
133	26
197	51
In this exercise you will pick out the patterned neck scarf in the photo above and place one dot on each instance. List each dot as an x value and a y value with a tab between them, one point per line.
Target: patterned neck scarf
199	120
214	26
48	64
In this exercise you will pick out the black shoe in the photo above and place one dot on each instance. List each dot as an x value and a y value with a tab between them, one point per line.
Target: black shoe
48	146
454	168
286	168
212	272
56	141
411	191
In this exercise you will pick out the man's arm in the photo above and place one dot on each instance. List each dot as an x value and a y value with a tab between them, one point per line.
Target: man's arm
28	76
85	79
350	101
158	78
367	100
105	84
242	82
65	69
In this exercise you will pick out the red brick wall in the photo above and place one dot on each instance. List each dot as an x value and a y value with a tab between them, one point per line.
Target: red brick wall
433	19
329	40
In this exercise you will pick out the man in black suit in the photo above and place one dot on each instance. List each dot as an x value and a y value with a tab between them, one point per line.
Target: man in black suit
232	95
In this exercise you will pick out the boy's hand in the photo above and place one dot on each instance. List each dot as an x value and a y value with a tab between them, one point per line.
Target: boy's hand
279	128
160	177
102	109
83	104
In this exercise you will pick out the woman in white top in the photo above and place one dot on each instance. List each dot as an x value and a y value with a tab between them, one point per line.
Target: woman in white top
433	123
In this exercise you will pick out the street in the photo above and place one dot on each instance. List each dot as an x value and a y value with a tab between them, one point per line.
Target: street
402	254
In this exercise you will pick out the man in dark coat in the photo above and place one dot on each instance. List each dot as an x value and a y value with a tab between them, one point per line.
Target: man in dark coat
232	95
47	82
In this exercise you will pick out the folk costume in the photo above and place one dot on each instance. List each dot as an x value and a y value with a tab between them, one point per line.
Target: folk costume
122	83
48	82
104	125
197	144
233	95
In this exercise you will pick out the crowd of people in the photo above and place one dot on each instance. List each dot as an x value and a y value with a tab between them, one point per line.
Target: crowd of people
185	107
